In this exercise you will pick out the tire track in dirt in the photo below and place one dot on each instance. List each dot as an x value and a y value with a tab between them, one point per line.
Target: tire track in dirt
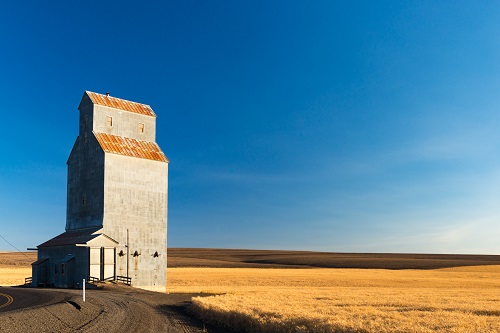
125	315
114	309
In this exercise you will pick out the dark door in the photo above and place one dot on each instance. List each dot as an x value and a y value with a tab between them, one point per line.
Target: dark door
102	264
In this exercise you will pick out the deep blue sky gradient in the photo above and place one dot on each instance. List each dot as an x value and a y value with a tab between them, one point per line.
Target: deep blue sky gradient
320	125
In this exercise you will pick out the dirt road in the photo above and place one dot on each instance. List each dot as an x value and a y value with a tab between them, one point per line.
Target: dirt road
109	309
15	298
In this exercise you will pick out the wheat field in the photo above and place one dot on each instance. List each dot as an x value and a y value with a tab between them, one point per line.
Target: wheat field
13	276
345	300
459	299
15	267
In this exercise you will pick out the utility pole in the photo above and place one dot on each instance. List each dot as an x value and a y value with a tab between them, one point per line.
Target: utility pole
127	253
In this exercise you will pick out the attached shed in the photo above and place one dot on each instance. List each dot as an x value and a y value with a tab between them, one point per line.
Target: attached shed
67	259
40	270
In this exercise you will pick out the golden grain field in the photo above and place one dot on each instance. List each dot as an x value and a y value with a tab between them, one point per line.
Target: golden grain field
15	267
346	300
460	299
13	276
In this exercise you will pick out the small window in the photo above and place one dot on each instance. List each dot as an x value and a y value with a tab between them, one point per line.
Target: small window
55	269
141	128
109	121
62	269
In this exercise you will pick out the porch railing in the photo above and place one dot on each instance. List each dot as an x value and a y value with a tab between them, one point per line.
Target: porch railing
124	279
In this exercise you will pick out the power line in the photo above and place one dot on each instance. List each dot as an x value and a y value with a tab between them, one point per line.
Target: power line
14	246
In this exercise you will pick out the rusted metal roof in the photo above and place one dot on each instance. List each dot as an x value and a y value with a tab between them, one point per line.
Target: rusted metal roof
130	147
121	104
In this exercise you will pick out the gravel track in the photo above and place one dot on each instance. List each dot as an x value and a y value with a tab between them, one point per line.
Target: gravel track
109	309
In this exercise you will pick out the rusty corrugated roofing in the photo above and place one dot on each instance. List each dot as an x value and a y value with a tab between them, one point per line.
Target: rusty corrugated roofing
121	104
130	147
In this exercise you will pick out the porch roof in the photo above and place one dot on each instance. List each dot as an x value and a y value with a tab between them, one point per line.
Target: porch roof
79	237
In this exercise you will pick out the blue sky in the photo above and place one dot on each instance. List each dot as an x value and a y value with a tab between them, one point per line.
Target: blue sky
353	126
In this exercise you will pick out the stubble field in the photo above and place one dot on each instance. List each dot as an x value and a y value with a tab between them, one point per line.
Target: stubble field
346	300
15	267
279	291
459	298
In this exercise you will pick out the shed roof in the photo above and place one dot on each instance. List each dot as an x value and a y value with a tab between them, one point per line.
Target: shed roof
67	258
74	237
39	261
121	104
130	147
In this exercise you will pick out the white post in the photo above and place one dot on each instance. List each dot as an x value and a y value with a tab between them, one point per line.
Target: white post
84	290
